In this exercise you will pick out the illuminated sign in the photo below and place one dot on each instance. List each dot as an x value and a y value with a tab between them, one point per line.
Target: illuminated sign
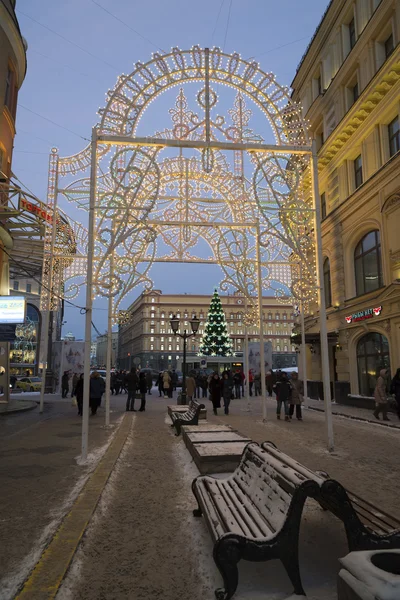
12	309
35	210
362	315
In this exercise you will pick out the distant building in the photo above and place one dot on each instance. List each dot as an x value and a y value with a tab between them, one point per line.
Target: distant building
101	349
148	339
348	83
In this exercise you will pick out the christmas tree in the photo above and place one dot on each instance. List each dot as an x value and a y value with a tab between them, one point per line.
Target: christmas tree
216	340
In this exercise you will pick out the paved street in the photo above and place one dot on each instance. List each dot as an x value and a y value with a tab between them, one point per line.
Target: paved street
143	541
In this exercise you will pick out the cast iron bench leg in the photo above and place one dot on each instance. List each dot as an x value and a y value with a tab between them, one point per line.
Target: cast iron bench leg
290	561
226	556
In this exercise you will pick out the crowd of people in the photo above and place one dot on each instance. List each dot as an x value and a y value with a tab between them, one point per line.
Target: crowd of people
288	391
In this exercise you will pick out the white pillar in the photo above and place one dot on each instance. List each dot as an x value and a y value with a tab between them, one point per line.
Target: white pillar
49	292
261	324
303	353
89	298
109	346
246	354
321	301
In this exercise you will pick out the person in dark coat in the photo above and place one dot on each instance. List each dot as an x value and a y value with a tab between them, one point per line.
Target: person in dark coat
237	380
283	396
270	381
227	387
174	377
160	384
143	387
64	385
97	388
132	383
204	385
395	390
215	392
79	394
113	382
149	381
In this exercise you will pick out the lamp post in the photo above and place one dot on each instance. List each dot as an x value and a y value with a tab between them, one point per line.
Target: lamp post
194	323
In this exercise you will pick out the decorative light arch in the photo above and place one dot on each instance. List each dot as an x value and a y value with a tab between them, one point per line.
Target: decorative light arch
281	194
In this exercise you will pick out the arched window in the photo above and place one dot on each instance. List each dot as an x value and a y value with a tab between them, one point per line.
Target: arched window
368	264
372	356
327	283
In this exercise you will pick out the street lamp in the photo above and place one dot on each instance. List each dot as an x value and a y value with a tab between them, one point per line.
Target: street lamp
194	323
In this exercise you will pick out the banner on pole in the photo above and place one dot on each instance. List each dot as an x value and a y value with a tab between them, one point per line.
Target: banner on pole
255	359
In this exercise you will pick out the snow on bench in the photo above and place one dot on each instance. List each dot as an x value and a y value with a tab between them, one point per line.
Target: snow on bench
190	417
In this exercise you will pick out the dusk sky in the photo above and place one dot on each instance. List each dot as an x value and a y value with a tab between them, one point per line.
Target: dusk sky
76	50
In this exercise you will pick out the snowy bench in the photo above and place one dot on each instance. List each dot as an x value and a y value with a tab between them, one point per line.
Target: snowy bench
254	514
367	527
190	417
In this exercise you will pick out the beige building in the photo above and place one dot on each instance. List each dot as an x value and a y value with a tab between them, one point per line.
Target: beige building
101	349
349	85
148	338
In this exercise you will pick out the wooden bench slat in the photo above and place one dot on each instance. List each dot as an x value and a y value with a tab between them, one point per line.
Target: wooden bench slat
391	521
294	464
214	523
225	504
248	509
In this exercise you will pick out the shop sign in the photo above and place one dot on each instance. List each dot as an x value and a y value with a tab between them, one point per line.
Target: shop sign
362	315
12	309
35	210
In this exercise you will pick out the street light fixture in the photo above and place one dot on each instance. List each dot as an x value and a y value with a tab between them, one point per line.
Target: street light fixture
194	324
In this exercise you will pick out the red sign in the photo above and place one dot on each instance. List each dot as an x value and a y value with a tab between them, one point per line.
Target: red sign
362	315
35	210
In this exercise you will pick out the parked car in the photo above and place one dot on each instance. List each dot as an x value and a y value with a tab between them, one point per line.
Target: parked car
29	384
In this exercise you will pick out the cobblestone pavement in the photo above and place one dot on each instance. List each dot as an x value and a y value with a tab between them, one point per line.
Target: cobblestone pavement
143	541
39	478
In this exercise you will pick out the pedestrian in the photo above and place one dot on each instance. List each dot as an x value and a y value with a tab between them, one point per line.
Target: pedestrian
13	381
64	385
160	384
204	385
270	382
243	377
97	387
149	381
132	385
257	384
143	387
174	379
112	382
190	387
166	383
227	387
237	381
198	380
381	401
283	392
215	392
251	381
296	398
124	384
79	394
74	382
395	390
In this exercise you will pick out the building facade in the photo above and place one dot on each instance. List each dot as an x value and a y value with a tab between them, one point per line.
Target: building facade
148	339
349	85
101	349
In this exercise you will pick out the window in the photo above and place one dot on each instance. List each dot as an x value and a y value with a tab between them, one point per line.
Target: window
327	283
367	263
152	299
10	93
352	33
358	171
169	347
28	288
372	356
152	339
355	92
389	46
269	316
284	317
162	347
394	136
151	346
163	315
16	286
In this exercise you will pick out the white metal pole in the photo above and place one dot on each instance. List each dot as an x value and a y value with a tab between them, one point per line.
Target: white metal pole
321	300
89	298
109	339
261	324
303	354
246	355
49	292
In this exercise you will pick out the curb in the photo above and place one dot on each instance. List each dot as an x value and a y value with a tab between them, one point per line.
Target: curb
13	411
45	579
338	414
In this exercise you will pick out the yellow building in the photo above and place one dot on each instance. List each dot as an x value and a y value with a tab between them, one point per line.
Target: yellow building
348	82
149	338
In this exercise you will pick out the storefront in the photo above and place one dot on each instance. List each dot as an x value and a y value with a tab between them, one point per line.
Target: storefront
24	351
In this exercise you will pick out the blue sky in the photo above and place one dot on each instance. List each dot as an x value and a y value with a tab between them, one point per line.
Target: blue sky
76	50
